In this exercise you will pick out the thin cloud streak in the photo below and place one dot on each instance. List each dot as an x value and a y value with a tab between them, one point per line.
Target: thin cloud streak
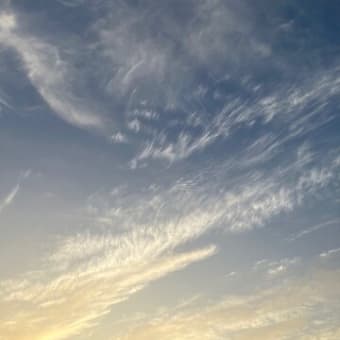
313	229
10	197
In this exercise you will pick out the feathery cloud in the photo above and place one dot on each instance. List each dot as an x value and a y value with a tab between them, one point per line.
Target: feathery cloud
59	307
301	307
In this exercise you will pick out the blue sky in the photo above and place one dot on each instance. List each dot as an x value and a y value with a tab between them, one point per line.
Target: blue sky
169	169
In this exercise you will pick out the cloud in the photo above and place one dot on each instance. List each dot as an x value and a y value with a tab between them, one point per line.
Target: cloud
248	201
119	138
142	77
167	92
87	274
49	73
57	308
161	72
313	229
286	106
5	103
7	22
72	3
330	253
276	268
301	307
9	199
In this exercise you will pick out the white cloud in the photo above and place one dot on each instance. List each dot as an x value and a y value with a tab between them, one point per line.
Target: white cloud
313	229
96	270
87	274
51	75
73	301
274	269
7	22
291	106
330	253
145	75
10	197
119	138
90	272
297	309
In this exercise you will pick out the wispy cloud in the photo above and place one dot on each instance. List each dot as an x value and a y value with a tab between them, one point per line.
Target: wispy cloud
87	274
274	269
313	229
286	106
330	253
288	310
4	103
49	73
141	77
57	308
166	81
10	197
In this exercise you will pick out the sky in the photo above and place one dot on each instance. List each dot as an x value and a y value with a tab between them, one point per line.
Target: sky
169	170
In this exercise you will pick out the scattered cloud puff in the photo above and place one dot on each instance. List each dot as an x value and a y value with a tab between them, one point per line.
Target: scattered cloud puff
276	268
119	138
330	253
